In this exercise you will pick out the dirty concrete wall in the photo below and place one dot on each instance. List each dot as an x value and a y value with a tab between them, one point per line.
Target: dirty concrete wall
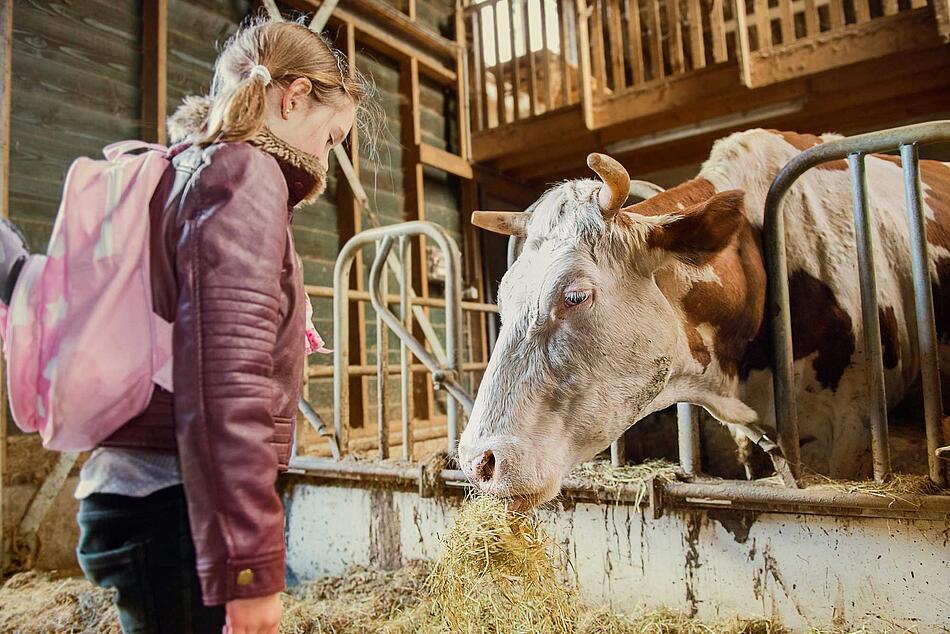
76	87
807	570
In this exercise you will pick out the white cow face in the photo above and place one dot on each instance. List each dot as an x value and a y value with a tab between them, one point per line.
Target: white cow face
587	339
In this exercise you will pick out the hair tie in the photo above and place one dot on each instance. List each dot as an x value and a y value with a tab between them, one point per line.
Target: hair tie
261	71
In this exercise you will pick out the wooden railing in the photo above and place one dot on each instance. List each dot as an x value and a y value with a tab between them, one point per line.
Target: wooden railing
530	57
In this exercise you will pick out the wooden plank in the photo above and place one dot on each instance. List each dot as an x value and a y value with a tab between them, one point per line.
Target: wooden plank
532	71
564	11
718	32
656	40
634	41
890	7
942	13
515	64
597	50
499	69
583	47
615	30
349	223
677	62
154	69
478	31
546	59
742	44
918	4
763	24
697	48
787	21
445	161
414	190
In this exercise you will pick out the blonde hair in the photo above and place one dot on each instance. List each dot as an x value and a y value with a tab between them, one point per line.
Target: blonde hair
288	50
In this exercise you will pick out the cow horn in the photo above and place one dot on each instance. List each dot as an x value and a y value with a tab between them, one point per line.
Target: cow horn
509	223
616	182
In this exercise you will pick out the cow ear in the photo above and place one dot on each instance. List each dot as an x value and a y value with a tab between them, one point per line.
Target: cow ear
701	231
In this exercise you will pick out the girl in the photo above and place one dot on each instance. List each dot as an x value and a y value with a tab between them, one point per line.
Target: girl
178	508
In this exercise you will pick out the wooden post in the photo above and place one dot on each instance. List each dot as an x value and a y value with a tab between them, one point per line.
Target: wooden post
615	28
742	43
546	58
532	70
154	69
461	72
349	223
787	20
597	43
586	91
656	40
763	24
696	47
499	69
811	18
515	65
677	63
6	59
423	397
718	32
566	34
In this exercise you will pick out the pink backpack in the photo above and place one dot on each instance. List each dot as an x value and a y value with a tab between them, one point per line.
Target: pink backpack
83	347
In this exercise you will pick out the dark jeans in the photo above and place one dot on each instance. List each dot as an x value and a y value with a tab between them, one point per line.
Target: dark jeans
142	547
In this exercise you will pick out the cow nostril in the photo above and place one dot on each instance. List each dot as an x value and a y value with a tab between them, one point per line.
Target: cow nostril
485	466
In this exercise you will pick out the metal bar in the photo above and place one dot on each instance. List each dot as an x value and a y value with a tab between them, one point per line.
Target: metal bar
432	302
774	242
319	426
325	372
874	358
405	376
618	456
924	305
687	425
449	375
379	276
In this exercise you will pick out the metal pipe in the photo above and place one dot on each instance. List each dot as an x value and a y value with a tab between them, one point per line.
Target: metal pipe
687	425
326	371
924	305
777	268
874	358
430	302
312	417
405	376
382	353
618	457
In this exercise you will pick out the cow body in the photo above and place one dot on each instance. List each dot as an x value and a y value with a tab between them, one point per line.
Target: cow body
673	293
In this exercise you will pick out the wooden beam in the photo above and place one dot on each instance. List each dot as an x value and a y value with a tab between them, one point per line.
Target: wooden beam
349	223
743	51
461	90
445	161
491	144
586	89
717	32
635	41
154	69
696	46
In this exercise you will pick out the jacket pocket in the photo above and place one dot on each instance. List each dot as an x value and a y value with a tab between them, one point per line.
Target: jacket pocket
124	569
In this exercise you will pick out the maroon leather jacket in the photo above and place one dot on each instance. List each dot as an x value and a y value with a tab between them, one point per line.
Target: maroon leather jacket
225	271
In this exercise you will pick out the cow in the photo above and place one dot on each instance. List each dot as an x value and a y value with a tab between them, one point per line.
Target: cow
613	312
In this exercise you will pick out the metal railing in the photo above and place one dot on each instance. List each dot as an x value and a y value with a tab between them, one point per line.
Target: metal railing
446	367
855	148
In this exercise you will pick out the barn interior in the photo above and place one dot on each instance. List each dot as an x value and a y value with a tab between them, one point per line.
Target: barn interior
484	104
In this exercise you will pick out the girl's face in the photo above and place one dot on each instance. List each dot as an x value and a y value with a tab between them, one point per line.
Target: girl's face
296	118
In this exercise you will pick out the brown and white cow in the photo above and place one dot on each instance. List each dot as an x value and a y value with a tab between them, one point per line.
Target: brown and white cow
612	312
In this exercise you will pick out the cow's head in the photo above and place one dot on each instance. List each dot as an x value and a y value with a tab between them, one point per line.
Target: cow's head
589	340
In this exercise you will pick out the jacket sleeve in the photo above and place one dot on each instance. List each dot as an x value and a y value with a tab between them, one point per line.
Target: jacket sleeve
229	259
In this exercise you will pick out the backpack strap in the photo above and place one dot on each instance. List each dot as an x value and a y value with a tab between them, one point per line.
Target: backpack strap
117	149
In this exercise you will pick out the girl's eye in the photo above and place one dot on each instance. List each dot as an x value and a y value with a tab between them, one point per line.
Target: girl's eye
576	298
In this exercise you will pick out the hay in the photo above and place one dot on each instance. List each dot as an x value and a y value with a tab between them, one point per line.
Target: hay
40	602
614	479
895	488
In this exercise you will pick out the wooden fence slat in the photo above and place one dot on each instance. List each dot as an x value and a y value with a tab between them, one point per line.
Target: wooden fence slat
862	12
478	77
546	59
499	70
787	21
811	19
763	24
917	4
583	52
564	10
656	40
635	41
515	64
742	41
676	36
836	14
696	47
615	29
890	7
718	32
597	44
532	71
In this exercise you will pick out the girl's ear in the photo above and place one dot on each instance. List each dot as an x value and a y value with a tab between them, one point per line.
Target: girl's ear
294	95
701	231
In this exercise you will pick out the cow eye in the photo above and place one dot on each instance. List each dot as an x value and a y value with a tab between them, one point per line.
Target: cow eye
575	298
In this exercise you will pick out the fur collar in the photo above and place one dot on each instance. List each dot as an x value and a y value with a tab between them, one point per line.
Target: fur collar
305	175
